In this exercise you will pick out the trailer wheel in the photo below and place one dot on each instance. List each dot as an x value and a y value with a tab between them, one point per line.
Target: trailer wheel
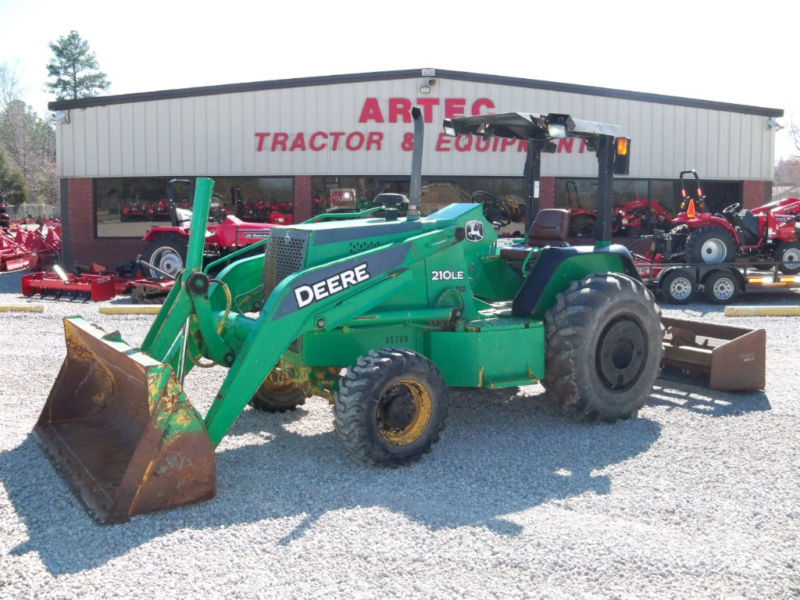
710	245
678	287
789	257
167	252
277	395
582	226
603	347
720	287
390	407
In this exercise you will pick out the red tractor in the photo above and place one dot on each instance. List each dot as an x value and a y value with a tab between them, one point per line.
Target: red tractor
165	246
631	219
764	235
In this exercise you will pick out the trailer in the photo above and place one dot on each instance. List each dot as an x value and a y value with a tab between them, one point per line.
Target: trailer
718	283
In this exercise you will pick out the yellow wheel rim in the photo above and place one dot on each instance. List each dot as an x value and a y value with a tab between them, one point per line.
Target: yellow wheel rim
404	411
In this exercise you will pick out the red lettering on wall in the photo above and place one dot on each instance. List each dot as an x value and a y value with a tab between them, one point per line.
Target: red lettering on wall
374	140
336	135
454	107
312	142
427	104
482	144
507	143
482	103
464	143
371	111
567	145
279	139
399	108
443	143
261	137
299	143
354	141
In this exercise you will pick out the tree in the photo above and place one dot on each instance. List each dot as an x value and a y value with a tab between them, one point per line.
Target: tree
30	150
9	85
12	185
74	69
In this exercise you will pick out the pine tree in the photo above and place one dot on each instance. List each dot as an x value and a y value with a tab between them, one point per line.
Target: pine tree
74	69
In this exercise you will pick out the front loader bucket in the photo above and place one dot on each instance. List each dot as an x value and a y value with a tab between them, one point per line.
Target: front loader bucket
731	358
120	428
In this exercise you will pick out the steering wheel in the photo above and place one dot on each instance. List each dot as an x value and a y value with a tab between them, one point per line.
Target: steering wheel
495	211
732	209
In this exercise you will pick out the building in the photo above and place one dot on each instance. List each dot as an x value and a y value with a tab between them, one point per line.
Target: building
284	146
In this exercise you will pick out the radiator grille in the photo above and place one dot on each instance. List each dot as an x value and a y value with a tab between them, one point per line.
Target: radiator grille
285	254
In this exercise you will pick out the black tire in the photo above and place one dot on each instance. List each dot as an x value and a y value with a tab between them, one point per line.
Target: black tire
390	407
277	396
603	347
582	226
789	258
710	245
721	287
678	287
167	252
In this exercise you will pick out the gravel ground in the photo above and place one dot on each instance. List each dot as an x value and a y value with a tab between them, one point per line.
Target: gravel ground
697	498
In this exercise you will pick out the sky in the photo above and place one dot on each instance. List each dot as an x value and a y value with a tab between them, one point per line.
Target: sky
737	52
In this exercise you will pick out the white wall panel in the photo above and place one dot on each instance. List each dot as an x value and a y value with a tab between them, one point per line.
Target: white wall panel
216	134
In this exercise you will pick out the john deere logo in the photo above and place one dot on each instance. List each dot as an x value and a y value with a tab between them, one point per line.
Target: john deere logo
474	231
307	294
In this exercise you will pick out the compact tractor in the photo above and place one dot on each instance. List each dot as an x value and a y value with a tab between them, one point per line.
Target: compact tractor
166	245
380	315
766	234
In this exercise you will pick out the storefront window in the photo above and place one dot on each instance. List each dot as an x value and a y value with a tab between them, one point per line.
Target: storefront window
128	207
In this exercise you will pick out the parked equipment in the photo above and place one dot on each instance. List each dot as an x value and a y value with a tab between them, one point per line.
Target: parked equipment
730	358
717	283
407	306
768	233
166	246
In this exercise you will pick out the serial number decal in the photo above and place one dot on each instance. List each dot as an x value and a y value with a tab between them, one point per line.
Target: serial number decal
447	275
308	294
396	339
255	234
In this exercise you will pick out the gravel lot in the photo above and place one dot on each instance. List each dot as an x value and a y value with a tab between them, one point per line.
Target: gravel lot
697	498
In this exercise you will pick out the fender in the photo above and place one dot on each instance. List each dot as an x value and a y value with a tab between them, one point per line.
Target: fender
557	267
160	230
705	219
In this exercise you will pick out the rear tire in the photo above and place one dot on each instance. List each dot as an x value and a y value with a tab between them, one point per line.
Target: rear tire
789	258
721	287
678	287
167	252
710	245
390	407
603	347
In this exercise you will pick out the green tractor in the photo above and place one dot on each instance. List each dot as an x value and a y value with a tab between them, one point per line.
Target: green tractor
380	315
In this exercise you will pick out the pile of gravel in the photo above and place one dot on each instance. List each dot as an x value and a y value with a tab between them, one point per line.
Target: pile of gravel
698	497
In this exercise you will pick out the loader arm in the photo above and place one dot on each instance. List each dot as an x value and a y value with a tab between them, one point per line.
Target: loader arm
311	300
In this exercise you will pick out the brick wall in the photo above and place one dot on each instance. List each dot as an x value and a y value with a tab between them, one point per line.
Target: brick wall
84	248
302	198
756	193
547	192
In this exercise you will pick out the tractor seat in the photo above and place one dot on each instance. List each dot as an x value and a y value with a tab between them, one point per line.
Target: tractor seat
550	228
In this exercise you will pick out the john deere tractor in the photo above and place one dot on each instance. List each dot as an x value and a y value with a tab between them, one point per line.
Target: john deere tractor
380	315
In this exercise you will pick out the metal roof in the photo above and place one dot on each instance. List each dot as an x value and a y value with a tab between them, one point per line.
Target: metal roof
406	74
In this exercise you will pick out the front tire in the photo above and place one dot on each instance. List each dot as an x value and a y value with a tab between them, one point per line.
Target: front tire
603	347
710	245
277	395
391	407
167	252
